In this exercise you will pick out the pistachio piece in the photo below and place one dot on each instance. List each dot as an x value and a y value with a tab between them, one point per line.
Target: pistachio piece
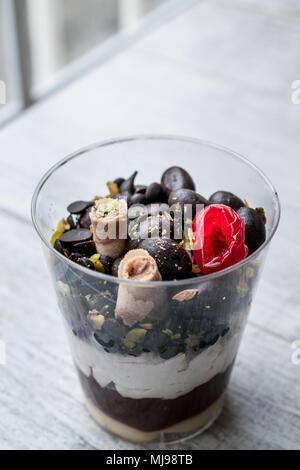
113	188
95	259
134	337
146	326
60	229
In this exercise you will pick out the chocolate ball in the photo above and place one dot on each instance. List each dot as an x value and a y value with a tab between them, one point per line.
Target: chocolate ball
176	178
185	198
255	228
226	198
172	260
155	193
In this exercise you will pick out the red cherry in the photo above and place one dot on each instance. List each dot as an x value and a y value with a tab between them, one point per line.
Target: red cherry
218	238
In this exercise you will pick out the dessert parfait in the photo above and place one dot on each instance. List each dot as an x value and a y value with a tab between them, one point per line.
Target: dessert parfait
155	346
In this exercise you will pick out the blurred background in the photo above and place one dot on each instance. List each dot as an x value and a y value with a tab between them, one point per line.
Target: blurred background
44	44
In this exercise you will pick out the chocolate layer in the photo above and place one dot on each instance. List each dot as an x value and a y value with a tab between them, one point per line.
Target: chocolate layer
151	414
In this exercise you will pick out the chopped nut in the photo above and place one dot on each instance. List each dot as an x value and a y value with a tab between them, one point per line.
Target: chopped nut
146	326
242	288
250	273
134	337
168	332
184	295
61	228
96	320
113	188
63	289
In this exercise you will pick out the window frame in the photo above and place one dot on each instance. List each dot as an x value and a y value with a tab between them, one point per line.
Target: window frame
18	58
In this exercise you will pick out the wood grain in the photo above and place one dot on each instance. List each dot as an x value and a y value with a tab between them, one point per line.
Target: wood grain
221	71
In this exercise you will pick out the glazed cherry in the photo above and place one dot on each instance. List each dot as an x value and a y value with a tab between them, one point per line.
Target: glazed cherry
219	238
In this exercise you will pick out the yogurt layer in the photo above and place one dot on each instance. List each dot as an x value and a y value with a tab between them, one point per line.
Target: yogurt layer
150	376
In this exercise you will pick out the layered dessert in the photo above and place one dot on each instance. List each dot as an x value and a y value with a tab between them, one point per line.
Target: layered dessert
154	331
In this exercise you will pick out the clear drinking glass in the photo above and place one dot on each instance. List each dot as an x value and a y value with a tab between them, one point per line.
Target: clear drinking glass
145	385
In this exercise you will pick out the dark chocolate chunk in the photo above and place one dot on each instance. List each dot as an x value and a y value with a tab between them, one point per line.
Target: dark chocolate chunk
128	185
155	341
172	260
82	261
176	178
157	209
119	181
226	198
155	226
255	228
86	249
107	263
76	236
140	189
170	351
85	220
187	200
138	198
155	193
71	222
86	263
59	247
103	302
137	210
104	339
78	207
115	266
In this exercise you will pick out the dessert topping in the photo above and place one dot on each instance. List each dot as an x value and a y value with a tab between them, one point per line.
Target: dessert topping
176	178
78	207
219	238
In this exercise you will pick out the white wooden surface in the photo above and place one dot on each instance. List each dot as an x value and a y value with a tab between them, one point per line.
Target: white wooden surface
221	71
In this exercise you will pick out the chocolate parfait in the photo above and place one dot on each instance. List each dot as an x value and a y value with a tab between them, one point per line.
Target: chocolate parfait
153	338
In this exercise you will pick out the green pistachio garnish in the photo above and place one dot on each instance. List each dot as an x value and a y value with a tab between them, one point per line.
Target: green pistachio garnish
60	229
134	337
95	259
176	336
146	326
168	332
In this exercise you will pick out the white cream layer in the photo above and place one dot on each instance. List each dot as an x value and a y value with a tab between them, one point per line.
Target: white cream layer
150	376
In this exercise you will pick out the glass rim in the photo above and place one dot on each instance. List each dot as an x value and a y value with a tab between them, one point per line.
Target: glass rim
145	137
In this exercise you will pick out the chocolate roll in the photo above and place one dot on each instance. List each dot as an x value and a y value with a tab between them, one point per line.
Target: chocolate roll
109	219
137	303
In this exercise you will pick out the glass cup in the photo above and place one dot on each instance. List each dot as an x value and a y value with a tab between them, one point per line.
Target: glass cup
163	379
